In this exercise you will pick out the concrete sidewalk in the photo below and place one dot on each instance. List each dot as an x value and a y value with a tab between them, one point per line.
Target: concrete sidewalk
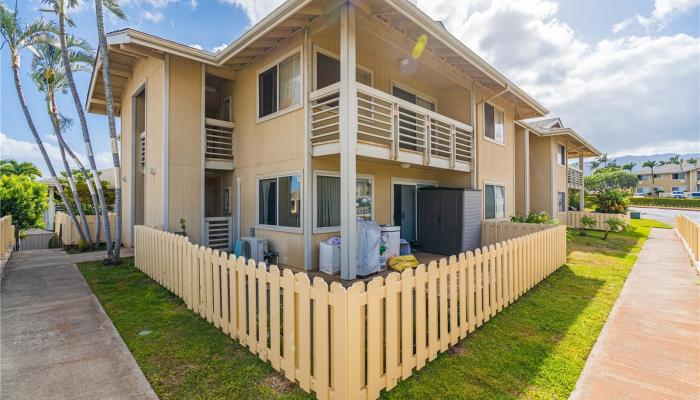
56	340
649	347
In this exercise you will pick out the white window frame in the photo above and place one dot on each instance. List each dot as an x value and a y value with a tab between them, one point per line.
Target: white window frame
505	201
288	229
483	116
276	63
318	49
336	174
562	147
680	176
417	93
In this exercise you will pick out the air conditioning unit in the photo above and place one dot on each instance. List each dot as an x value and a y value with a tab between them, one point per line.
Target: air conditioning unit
254	248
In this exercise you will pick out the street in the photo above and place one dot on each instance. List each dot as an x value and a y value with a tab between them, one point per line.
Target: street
666	215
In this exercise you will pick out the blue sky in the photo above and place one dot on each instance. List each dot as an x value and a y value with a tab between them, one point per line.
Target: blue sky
625	74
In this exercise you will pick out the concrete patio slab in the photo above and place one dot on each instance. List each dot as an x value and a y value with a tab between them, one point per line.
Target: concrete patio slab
56	340
649	347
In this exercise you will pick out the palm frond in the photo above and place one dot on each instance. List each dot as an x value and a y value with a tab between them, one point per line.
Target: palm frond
115	8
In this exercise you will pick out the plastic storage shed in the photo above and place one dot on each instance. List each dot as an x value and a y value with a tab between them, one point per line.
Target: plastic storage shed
449	220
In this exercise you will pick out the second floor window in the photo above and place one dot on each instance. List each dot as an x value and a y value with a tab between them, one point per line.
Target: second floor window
328	70
678	176
279	87
561	154
494	126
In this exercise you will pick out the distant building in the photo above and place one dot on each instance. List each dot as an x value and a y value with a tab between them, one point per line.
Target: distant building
668	178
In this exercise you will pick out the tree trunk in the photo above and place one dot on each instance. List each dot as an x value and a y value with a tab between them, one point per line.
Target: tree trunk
101	211
53	115
91	188
109	99
39	143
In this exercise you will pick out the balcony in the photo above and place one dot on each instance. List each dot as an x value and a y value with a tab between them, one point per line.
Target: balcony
219	144
392	129
574	178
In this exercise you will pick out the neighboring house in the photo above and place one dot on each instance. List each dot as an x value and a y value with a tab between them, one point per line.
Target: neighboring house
545	155
321	113
668	178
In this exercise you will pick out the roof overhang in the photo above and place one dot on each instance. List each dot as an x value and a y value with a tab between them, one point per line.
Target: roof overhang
577	144
291	17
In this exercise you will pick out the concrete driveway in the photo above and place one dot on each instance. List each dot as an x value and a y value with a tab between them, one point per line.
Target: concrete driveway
666	215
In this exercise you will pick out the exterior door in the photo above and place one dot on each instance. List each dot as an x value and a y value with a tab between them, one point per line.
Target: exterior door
405	210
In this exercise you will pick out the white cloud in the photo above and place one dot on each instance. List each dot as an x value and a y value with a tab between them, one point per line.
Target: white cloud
255	10
666	147
622	25
219	47
194	4
160	3
155	16
23	150
618	93
196	46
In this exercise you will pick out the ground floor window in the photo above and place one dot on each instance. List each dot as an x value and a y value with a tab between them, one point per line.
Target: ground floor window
328	199
561	201
279	201
494	201
679	189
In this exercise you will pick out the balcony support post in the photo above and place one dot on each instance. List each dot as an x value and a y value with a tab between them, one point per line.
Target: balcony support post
348	143
582	190
526	168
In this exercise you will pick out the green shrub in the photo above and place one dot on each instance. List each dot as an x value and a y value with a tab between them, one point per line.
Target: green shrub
611	201
656	202
534	218
586	223
614	225
23	198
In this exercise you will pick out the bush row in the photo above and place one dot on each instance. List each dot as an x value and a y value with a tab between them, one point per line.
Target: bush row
652	201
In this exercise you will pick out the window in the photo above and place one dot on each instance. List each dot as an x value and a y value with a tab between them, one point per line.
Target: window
657	176
494	123
279	201
561	154
494	201
678	176
328	70
642	190
279	87
643	177
410	96
328	200
561	198
679	189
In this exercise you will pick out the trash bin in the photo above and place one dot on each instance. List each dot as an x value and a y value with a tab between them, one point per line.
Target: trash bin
635	215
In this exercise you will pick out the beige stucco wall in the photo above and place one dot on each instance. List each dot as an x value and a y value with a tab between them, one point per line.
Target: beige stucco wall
547	177
666	182
520	171
148	72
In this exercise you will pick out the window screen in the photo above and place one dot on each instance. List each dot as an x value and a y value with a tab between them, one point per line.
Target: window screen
267	86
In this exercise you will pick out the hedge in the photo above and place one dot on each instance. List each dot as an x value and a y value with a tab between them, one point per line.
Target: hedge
665	202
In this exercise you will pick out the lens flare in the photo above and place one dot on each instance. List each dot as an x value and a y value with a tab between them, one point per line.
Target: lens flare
419	48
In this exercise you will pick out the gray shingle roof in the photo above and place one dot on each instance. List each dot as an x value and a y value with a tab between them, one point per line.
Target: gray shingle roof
548	123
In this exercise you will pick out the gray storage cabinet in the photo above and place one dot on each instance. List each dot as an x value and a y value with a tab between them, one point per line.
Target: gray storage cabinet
449	220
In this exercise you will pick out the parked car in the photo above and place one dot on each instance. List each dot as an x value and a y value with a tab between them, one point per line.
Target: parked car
678	195
694	195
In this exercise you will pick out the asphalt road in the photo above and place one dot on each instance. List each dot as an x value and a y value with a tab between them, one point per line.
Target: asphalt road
666	215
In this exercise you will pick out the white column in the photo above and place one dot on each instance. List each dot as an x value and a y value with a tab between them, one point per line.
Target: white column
526	142
475	138
51	212
307	212
582	191
348	141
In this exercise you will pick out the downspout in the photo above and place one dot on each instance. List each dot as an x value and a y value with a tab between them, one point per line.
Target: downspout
238	208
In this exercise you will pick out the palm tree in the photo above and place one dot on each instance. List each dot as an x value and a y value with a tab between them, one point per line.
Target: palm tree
678	161
604	159
651	164
594	165
19	36
12	167
60	8
629	166
114	7
48	74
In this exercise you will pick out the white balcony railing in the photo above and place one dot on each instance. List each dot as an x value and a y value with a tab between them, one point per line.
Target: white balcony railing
407	132
218	232
574	178
220	143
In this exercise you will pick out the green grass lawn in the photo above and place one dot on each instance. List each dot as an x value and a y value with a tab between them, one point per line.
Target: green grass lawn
535	349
